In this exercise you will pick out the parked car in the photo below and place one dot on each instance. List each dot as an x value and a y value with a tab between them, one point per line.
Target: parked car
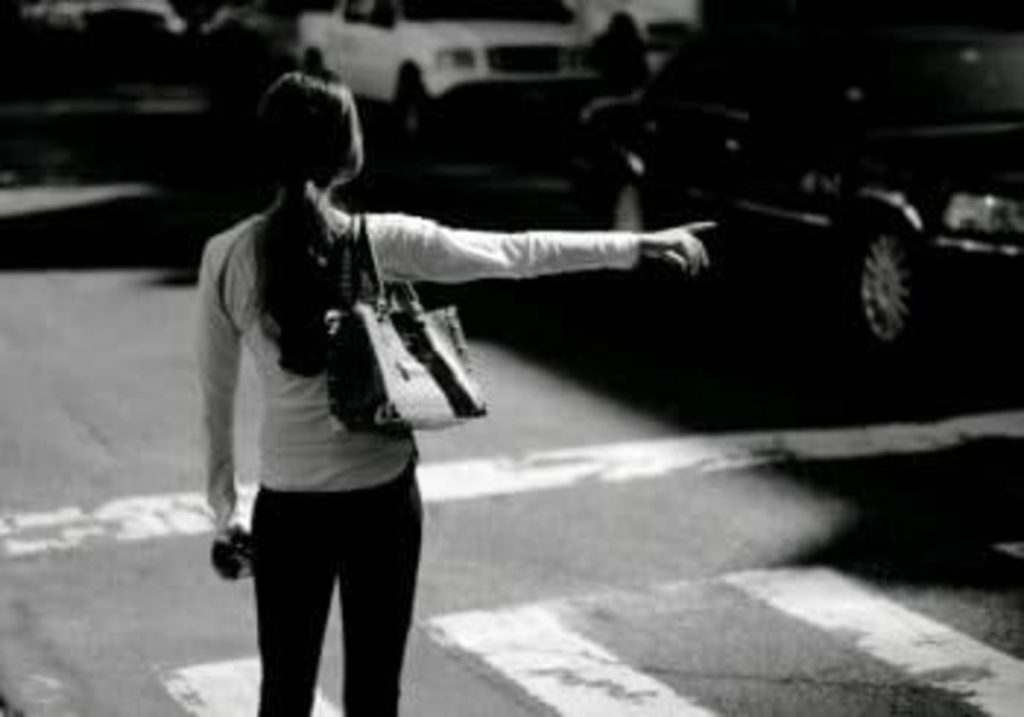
136	40
78	15
877	169
72	40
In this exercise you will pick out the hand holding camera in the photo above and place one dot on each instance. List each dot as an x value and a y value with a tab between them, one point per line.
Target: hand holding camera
232	553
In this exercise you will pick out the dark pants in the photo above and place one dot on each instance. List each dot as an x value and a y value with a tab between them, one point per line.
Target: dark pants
366	541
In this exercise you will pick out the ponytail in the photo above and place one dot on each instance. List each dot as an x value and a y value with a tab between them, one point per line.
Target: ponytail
312	139
294	290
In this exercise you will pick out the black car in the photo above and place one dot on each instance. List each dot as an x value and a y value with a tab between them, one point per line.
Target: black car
875	169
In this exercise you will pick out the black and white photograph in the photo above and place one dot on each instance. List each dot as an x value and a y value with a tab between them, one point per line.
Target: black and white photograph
511	358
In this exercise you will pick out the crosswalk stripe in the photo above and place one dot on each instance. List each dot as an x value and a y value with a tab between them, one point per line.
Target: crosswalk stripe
226	689
561	669
23	201
1014	550
641	460
931	652
140	518
530	646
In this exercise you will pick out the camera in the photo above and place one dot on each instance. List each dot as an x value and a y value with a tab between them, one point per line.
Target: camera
232	553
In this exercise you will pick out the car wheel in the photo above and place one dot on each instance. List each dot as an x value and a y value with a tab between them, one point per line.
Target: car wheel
627	208
411	107
889	291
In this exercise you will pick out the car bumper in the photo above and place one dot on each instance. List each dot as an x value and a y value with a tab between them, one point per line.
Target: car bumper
979	247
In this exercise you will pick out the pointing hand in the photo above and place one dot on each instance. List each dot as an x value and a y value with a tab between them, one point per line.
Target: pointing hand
678	246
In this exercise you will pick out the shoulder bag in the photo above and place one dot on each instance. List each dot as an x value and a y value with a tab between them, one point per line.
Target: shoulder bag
391	365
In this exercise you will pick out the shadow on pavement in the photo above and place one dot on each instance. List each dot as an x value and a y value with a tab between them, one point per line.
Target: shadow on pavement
925	519
708	357
167	231
709	363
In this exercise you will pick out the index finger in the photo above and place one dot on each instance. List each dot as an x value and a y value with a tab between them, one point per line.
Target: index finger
697	227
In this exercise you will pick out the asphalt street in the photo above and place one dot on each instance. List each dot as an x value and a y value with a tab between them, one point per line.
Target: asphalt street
687	500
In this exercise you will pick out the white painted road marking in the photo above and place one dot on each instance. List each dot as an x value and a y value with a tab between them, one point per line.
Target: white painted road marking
1014	550
639	460
227	689
561	669
125	520
530	646
23	201
139	518
931	652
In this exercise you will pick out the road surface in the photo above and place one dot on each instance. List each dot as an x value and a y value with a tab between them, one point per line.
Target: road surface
720	519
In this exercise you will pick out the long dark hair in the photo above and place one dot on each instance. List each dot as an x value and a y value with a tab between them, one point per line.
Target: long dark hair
311	135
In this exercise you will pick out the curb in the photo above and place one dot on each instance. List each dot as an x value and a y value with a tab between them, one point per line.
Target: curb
132	101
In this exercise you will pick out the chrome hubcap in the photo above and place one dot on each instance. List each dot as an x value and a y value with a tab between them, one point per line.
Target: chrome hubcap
886	288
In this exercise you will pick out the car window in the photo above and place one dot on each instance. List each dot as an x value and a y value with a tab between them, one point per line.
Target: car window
730	77
847	77
1000	14
359	10
992	14
925	75
282	8
533	10
696	76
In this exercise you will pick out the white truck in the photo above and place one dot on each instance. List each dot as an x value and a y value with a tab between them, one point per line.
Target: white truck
417	56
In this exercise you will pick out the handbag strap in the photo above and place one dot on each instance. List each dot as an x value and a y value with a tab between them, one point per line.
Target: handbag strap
366	261
356	266
360	276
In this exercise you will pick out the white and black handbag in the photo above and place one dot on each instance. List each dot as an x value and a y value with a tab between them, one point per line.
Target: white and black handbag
391	365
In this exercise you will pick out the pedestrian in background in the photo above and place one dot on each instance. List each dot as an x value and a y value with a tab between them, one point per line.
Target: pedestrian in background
335	507
620	56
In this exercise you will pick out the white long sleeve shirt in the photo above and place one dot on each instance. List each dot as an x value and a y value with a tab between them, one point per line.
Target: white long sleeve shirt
300	447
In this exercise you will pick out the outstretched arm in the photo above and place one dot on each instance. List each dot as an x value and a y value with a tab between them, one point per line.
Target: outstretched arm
417	249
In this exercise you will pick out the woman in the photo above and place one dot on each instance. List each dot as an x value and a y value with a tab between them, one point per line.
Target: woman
333	506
